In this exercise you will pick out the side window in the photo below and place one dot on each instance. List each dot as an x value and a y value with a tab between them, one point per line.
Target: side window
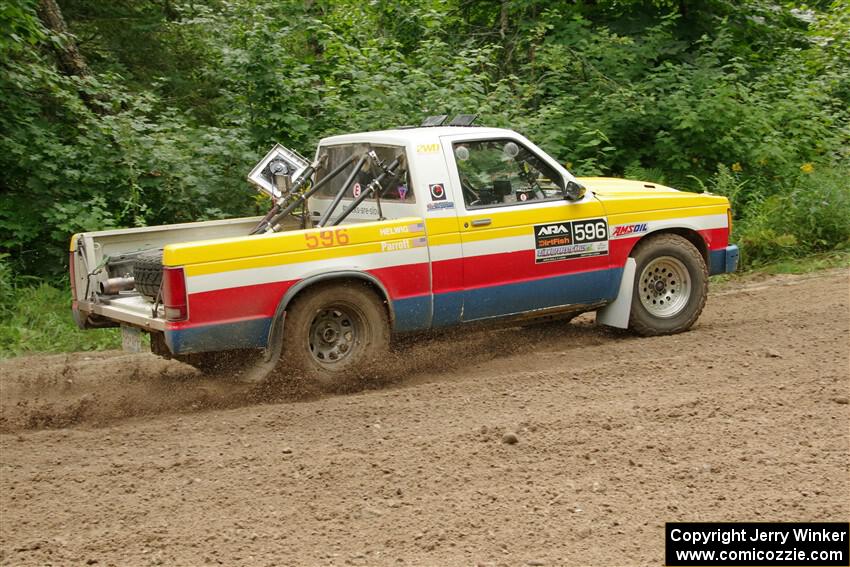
501	172
396	189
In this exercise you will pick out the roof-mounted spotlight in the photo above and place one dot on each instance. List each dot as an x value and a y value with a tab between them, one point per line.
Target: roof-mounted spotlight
463	120
434	120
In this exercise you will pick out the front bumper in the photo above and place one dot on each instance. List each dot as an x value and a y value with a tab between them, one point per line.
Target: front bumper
723	261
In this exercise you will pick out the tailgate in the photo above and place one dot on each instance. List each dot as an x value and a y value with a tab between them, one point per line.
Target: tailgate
90	252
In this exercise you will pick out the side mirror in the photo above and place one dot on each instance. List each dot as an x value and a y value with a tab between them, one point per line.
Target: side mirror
574	191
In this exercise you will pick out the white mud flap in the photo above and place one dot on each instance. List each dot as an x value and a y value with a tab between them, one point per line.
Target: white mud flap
131	339
616	314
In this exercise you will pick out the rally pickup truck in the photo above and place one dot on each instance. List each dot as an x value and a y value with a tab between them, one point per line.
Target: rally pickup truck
400	231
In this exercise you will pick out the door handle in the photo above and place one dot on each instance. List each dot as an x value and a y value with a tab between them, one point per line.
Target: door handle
482	222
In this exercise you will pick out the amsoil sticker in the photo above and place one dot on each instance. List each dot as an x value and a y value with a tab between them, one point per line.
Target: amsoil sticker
438	192
625	230
566	240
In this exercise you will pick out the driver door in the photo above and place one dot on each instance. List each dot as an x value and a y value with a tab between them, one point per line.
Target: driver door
524	246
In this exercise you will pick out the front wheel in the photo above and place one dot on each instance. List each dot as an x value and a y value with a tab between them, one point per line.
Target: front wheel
671	286
335	331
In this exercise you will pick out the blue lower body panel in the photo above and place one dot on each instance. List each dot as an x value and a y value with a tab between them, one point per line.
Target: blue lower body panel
570	289
252	333
723	261
424	312
412	313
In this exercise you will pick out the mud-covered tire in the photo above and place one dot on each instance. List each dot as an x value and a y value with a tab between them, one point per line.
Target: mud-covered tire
335	331
147	271
670	288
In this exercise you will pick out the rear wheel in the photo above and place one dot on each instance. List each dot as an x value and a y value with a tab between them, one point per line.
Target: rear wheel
335	331
671	285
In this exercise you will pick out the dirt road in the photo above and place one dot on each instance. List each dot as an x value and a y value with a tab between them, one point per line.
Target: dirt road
110	459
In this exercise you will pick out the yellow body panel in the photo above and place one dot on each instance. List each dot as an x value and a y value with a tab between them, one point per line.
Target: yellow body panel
621	207
341	241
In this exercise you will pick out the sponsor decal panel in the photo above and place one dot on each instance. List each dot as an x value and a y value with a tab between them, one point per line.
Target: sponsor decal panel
626	230
567	240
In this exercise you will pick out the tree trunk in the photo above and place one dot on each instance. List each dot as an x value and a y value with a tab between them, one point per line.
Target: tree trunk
71	61
503	20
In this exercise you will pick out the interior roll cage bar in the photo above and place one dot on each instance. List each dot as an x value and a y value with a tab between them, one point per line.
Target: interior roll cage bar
303	188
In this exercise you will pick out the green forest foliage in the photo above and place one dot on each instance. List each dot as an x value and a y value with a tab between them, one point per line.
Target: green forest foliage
745	98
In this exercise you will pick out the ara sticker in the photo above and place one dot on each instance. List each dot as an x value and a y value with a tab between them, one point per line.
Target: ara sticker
438	192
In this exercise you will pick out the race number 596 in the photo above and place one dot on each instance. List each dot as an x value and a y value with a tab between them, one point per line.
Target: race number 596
589	231
327	238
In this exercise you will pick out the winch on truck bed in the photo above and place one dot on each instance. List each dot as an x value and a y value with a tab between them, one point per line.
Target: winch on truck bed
398	231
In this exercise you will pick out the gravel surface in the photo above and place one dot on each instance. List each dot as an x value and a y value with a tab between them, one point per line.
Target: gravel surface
552	444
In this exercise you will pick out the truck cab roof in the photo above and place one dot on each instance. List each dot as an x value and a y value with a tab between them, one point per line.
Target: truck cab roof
407	136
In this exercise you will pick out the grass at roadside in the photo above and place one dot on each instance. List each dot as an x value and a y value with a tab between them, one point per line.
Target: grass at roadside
36	318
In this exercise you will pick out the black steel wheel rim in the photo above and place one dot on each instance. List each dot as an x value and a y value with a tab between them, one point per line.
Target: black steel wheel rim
335	333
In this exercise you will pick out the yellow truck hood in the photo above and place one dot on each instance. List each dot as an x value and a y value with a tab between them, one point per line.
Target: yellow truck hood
615	186
626	195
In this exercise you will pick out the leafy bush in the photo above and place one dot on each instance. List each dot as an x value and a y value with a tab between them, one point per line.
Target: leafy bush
811	214
182	98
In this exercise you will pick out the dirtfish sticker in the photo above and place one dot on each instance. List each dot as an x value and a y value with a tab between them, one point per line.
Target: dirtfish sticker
625	230
567	240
